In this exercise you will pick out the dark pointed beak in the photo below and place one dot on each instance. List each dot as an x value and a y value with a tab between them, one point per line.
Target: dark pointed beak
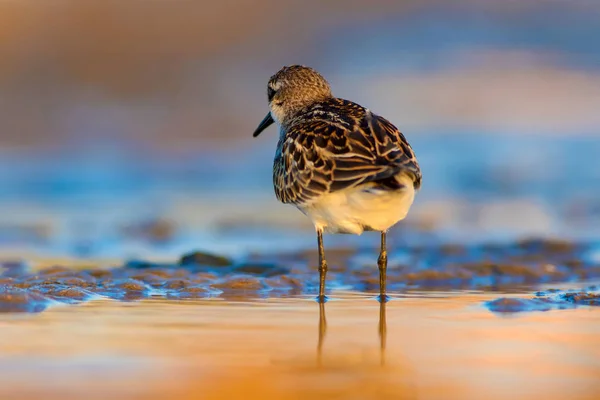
264	124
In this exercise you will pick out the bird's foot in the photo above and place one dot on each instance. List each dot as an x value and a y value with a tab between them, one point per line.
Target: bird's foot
383	298
321	299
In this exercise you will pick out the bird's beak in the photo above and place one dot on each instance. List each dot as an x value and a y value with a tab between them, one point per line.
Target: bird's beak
264	124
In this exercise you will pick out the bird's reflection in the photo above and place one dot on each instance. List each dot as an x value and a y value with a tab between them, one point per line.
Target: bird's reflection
382	330
322	331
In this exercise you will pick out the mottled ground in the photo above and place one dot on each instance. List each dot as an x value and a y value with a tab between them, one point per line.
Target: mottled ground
463	320
516	267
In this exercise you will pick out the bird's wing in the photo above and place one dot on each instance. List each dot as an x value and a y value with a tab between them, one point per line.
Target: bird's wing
321	156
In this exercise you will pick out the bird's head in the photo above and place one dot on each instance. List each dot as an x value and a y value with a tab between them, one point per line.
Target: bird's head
291	90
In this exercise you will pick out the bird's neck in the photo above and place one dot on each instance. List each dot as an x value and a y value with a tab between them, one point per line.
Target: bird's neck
297	113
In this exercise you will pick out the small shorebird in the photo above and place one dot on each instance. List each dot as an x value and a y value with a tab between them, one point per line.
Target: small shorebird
347	169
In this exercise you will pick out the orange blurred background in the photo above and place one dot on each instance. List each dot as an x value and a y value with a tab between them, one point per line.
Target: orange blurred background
171	74
110	109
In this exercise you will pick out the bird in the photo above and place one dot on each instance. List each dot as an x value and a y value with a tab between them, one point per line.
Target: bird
346	168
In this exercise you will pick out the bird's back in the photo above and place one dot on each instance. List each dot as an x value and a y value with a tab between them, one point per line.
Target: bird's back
335	145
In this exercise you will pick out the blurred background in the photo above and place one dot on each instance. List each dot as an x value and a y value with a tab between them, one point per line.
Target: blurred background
125	126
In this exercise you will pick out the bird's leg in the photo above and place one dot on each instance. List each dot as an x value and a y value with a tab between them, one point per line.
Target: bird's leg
322	267
382	264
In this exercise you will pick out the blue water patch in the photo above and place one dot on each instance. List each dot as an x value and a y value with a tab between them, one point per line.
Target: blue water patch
514	305
552	299
89	199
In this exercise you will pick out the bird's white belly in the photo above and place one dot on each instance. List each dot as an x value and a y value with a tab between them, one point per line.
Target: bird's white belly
358	209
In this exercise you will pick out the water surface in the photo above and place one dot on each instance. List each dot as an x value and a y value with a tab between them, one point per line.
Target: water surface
434	345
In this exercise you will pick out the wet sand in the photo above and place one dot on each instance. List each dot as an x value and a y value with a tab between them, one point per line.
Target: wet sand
493	267
487	321
434	345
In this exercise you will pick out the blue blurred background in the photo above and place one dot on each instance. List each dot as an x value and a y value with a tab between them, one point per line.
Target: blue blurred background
125	126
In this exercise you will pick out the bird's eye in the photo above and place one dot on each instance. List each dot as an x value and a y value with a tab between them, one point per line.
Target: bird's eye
270	93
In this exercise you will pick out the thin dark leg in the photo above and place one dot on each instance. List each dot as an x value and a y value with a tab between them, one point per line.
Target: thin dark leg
382	264
322	332
382	331
322	268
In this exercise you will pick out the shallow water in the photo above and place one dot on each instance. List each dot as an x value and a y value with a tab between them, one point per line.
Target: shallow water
420	345
494	321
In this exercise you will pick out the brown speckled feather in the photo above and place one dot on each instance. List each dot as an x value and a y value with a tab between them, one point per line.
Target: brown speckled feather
336	144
